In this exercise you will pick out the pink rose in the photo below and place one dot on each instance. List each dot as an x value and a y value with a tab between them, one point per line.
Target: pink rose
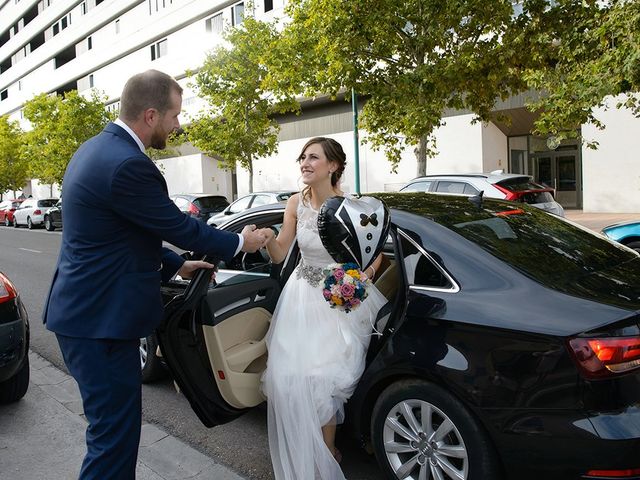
347	290
338	273
326	293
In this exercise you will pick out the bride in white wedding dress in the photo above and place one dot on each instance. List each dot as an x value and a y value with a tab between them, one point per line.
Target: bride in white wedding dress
316	353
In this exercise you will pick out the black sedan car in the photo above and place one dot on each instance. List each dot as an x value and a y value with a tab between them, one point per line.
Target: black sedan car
509	346
53	217
14	344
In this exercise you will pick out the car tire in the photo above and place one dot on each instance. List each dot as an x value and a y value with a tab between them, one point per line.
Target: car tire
405	444
48	225
29	223
150	364
635	245
15	222
7	223
14	388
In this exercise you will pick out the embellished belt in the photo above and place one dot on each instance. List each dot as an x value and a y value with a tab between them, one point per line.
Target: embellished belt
314	275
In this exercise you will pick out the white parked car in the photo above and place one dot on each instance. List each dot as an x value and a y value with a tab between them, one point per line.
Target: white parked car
248	201
497	184
31	212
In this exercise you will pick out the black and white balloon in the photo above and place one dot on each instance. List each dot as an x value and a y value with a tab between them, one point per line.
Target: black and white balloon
353	230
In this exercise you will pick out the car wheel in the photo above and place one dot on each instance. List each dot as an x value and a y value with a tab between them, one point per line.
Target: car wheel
150	363
14	388
15	222
48	225
7	223
29	224
419	430
634	245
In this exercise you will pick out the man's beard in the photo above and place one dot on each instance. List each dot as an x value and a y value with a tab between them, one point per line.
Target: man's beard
158	140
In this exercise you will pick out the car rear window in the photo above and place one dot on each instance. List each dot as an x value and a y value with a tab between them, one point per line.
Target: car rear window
542	246
209	203
47	203
532	192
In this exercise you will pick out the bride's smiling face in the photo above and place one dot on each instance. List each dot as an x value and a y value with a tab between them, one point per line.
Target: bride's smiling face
314	165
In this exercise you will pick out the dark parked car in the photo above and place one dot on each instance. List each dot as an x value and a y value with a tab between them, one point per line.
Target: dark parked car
14	344
53	217
200	205
627	233
509	346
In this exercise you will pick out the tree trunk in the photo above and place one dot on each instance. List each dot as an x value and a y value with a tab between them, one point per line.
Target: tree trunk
421	157
250	175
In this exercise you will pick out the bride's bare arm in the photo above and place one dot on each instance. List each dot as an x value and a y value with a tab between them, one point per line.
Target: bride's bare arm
279	246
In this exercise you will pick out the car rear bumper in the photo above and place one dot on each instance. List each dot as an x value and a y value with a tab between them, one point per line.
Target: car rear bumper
568	445
13	347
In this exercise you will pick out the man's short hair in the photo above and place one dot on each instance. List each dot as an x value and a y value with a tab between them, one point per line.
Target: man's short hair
150	89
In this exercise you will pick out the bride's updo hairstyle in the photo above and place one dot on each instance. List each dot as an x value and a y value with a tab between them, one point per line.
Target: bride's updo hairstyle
334	153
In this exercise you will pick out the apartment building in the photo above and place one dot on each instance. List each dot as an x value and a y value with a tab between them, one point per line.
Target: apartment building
55	46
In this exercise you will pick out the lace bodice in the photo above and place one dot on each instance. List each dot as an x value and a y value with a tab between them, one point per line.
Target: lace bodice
311	249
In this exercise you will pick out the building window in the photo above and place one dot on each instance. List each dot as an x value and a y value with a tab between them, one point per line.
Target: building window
237	14
4	94
268	5
159	49
89	43
83	8
62	24
56	29
215	24
91	80
19	85
117	26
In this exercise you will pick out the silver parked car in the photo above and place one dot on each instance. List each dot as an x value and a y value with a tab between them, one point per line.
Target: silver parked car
248	201
505	186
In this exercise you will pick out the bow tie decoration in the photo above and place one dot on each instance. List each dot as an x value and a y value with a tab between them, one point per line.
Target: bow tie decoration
364	219
353	230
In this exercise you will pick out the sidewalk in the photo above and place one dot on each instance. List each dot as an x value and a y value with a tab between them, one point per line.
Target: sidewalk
42	436
596	221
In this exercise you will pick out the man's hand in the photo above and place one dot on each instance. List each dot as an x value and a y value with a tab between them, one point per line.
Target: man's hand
190	266
253	239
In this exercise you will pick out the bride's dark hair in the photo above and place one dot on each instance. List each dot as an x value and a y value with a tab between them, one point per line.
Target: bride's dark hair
334	153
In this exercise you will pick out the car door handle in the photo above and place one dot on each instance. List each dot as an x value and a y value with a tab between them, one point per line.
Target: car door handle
259	298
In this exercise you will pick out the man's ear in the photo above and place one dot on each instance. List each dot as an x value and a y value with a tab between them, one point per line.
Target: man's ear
151	116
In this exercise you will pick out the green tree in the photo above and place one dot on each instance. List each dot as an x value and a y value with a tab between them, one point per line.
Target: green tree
238	127
413	59
594	54
60	124
13	170
416	59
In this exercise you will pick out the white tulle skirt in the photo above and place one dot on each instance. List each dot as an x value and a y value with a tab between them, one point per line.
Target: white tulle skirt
316	356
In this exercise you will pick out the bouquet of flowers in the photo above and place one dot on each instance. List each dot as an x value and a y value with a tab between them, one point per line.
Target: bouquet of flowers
344	287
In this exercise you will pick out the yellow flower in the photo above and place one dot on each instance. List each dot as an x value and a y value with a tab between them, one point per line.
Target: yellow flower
336	300
353	273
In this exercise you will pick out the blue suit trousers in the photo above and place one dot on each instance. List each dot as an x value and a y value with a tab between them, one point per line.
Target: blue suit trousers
108	374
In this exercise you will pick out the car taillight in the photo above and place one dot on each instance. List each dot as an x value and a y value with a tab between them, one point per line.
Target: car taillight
7	290
193	210
511	196
605	357
37	212
629	472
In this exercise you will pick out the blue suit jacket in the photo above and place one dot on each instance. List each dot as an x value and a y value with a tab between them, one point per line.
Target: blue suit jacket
116	215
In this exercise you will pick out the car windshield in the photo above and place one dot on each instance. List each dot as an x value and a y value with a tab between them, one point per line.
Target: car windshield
47	203
540	245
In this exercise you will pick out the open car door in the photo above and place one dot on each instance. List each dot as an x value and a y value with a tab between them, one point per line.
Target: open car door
213	333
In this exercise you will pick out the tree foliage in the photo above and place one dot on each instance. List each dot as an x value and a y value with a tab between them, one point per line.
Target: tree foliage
238	126
13	170
595	54
416	59
60	124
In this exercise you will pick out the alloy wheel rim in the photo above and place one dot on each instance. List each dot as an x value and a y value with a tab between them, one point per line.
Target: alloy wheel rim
422	443
143	352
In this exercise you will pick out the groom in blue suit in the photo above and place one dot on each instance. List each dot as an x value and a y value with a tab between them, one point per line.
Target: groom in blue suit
105	293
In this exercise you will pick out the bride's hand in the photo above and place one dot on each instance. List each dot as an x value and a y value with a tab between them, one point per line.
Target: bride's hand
269	234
